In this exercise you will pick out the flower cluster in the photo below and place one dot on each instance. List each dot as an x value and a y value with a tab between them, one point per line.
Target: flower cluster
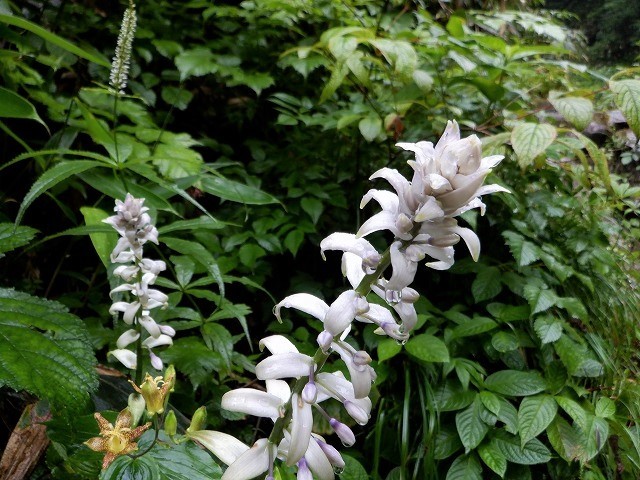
421	215
119	74
133	224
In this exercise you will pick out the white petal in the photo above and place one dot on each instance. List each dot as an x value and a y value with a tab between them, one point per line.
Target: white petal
386	199
397	181
252	402
361	375
318	461
352	269
464	190
277	344
127	338
404	270
125	357
162	340
424	151
130	312
305	303
430	210
341	313
451	134
471	239
156	361
280	389
284	365
301	424
348	242
493	188
380	221
490	161
226	447
151	326
251	463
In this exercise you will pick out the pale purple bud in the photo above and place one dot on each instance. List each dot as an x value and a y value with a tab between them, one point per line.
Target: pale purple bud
332	454
310	392
324	340
361	358
167	330
156	361
303	471
356	412
344	433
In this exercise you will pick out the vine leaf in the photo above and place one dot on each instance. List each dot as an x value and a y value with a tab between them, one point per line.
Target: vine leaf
45	350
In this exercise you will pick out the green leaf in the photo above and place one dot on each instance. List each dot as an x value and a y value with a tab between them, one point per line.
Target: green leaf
176	97
596	433
313	207
508	415
565	439
627	97
192	357
605	408
13	105
293	240
465	467
447	442
599	159
493	458
102	242
504	342
236	192
428	348
522	250
491	402
548	328
576	110
353	470
534	415
53	38
486	284
530	140
388	348
515	383
196	63
423	80
470	426
533	453
12	237
177	161
249	253
45	350
53	177
579	361
219	340
540	299
195	224
338	75
473	327
451	397
127	468
370	127
573	409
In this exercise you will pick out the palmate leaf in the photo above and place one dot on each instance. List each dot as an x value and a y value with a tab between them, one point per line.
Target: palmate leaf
45	350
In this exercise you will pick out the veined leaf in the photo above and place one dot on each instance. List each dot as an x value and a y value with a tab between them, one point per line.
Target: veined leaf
12	237
200	223
45	350
428	348
102	242
515	383
235	191
370	127
565	439
470	426
493	458
576	110
522	250
605	408
532	453
53	38
627	97
13	105
530	140
534	415
51	178
599	160
486	284
473	327
465	467
548	328
596	434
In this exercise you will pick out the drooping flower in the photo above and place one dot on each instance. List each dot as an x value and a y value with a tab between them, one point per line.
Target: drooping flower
115	440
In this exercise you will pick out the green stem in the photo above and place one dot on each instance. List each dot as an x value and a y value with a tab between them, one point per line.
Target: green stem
156	427
115	125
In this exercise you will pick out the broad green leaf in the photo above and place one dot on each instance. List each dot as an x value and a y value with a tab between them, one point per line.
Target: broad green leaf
548	328
508	415
398	53
219	340
504	342
530	140
196	63
256	81
53	177
235	192
470	426
102	242
627	97
534	415
522	250
605	408
509	313
451	397
428	348
293	240
491	402
486	284
473	327
388	348
423	80
533	453
127	468
196	224
596	433
53	38
13	105
540	299
12	237
599	159
313	207
447	442
565	439
465	467
577	358
353	470
176	97
177	161
515	383
249	253
370	127
493	458
576	110
338	75
192	357
45	350
573	409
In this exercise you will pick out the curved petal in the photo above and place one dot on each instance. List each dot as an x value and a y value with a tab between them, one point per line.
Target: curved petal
430	210
304	302
151	326
380	221
361	375
162	340
352	268
471	239
493	188
127	338
252	402
342	312
424	151
386	199
391	175
251	463
226	447
404	270
277	344
318	461
280	389
348	242
451	134
465	188
490	161
284	365
301	424
126	357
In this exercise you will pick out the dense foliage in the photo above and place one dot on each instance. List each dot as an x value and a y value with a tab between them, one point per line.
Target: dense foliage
251	130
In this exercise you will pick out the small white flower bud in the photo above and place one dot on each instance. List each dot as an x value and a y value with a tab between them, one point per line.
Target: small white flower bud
324	340
345	434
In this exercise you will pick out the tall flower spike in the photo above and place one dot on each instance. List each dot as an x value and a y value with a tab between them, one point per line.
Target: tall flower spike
119	74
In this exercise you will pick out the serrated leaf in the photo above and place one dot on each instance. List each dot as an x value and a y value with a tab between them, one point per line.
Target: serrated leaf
470	426
533	453
102	242
370	127
627	97
235	191
337	77
313	207
176	97
486	284
53	177
534	416
504	342
219	340
13	105
530	140
45	350
522	250
605	408
565	439
540	299
465	467
515	383
12	237
576	110
548	328
428	348
577	358
493	458
473	327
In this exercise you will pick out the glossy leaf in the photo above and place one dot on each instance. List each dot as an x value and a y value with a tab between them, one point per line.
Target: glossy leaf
13	105
102	242
532	453
465	467
548	328
515	383
530	140
493	458
534	416
486	284
12	237
428	348
470	426
235	191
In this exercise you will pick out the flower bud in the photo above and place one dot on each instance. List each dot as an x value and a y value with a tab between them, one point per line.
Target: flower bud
136	407
356	412
198	421
332	454
170	377
170	423
344	433
310	393
324	340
